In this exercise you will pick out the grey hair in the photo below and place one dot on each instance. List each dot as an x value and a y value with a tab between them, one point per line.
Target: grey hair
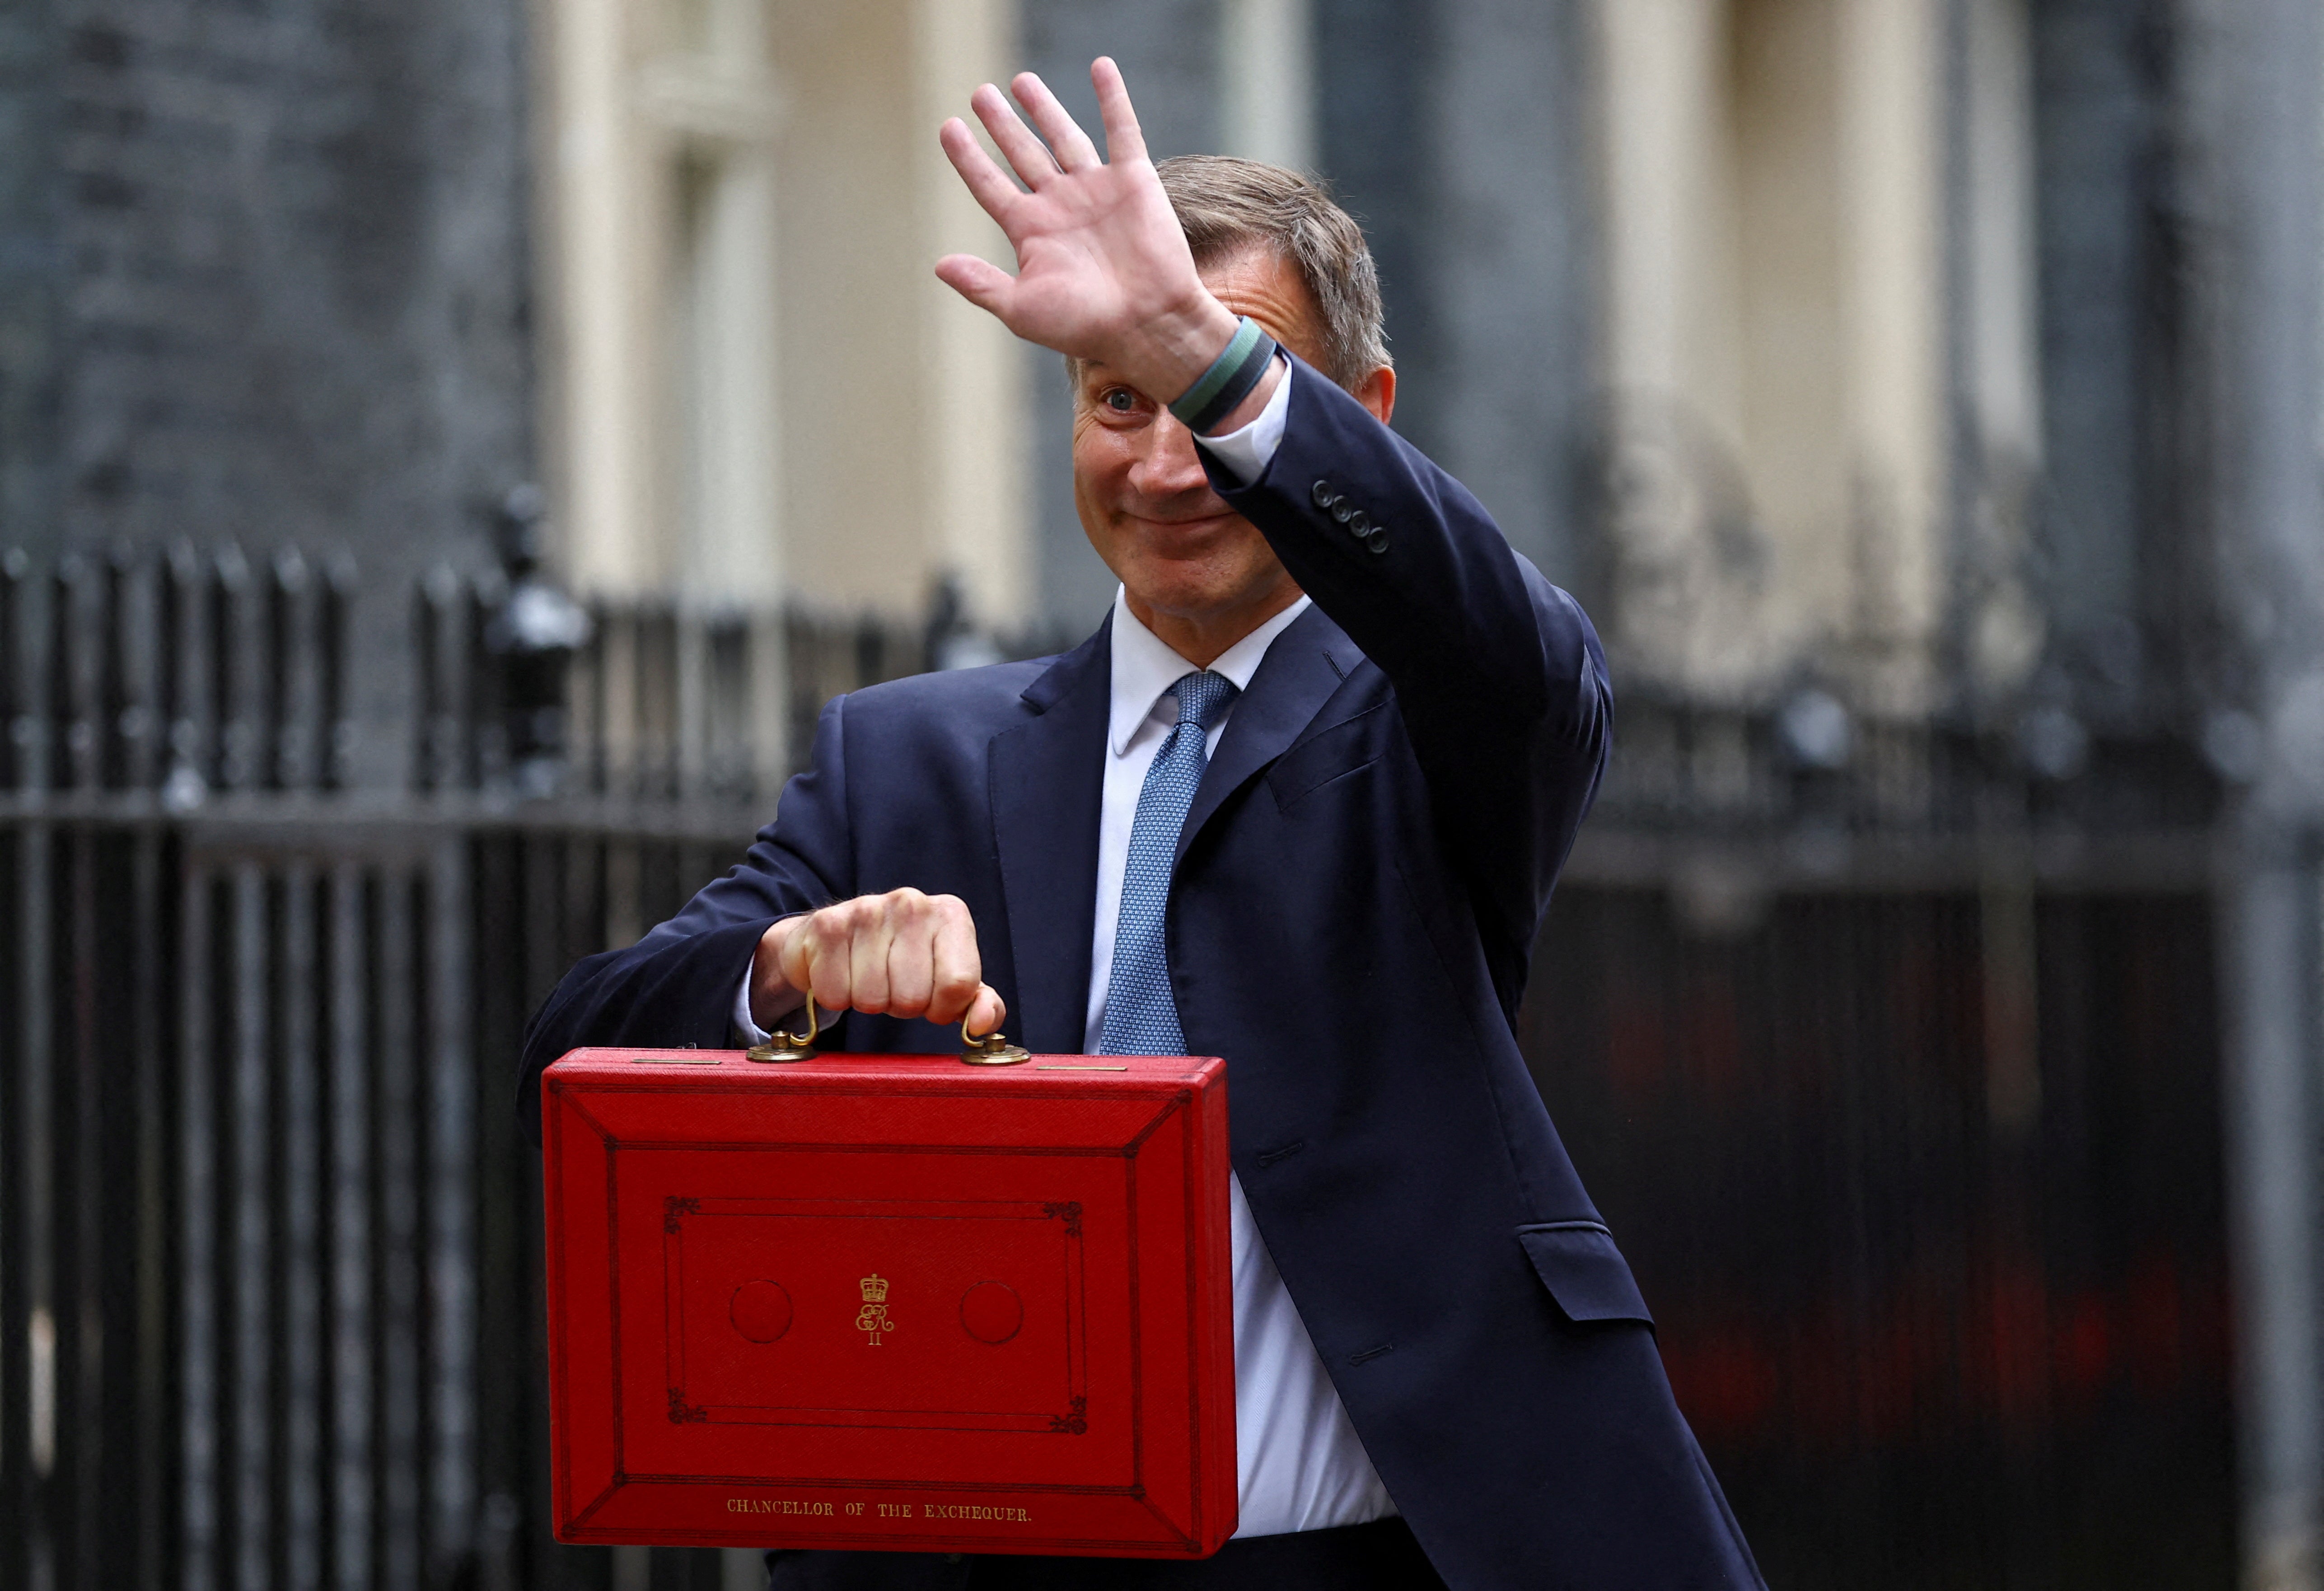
1227	205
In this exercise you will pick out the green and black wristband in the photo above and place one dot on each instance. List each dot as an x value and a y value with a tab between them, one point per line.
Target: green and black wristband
1229	381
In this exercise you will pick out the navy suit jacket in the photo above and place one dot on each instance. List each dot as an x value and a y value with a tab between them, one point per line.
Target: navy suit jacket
1359	881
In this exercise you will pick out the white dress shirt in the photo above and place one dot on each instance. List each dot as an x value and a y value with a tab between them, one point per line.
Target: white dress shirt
1298	1462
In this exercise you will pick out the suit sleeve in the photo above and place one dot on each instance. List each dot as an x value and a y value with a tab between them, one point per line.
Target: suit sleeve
674	987
1498	673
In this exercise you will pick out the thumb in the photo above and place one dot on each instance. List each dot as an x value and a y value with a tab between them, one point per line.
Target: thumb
979	281
987	1011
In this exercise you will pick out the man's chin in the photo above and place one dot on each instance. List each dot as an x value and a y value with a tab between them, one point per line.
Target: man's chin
1195	592
1197	569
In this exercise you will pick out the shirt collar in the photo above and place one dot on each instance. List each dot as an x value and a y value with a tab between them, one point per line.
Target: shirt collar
1144	667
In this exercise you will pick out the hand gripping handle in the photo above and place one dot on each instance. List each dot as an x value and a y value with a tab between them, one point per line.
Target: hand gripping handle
991	1050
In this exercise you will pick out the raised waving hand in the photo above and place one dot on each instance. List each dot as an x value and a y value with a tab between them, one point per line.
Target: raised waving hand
1103	269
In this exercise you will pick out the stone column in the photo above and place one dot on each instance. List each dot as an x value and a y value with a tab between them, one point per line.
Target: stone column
1890	151
2256	113
593	194
1267	81
976	513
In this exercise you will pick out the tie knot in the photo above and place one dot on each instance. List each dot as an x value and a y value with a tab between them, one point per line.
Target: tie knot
1202	697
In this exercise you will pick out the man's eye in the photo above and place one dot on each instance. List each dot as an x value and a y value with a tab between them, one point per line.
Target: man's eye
1119	400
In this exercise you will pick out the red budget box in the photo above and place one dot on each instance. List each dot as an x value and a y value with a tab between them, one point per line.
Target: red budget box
890	1301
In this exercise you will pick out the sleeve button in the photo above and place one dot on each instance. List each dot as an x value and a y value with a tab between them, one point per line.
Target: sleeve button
1341	512
1358	522
1376	541
1319	495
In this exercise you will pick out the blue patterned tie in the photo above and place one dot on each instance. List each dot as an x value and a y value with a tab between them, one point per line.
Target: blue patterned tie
1141	1016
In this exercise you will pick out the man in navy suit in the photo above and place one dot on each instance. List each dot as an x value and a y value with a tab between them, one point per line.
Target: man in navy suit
1298	803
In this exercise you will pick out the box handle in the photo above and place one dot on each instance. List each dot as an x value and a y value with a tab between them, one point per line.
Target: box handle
992	1050
788	1046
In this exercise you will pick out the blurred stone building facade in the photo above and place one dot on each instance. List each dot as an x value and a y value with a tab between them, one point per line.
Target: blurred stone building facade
757	387
1818	343
1839	343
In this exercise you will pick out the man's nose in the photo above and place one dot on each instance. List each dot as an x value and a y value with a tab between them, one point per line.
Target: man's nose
1169	465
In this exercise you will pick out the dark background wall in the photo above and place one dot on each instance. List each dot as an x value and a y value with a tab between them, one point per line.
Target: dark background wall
264	276
1457	132
2122	572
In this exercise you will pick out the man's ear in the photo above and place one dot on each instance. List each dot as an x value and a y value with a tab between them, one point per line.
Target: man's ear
1377	393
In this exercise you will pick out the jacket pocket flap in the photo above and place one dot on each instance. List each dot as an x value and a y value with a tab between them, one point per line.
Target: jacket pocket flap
1584	1272
1331	752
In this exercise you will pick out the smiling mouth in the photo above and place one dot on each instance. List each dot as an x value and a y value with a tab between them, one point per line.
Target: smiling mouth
1184	525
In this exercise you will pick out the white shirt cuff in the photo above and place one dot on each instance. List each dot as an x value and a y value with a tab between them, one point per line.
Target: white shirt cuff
748	1031
1247	451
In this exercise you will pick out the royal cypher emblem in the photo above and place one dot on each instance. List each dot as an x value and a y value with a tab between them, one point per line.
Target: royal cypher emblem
872	1319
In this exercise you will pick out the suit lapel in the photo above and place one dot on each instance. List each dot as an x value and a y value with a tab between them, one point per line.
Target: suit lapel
1306	663
1047	779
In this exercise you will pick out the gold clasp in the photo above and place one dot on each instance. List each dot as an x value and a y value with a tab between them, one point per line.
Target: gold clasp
781	1045
992	1050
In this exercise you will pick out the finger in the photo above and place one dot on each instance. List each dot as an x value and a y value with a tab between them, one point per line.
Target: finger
958	969
867	963
987	1012
1124	139
1072	146
767	957
981	282
911	964
810	957
773	994
1026	155
987	183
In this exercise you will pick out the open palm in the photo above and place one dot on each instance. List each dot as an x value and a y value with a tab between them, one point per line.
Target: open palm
1104	271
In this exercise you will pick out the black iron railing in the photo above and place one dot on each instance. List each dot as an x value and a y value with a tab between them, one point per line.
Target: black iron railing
268	1239
1892	1060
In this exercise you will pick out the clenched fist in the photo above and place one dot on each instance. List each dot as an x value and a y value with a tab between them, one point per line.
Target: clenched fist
903	953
